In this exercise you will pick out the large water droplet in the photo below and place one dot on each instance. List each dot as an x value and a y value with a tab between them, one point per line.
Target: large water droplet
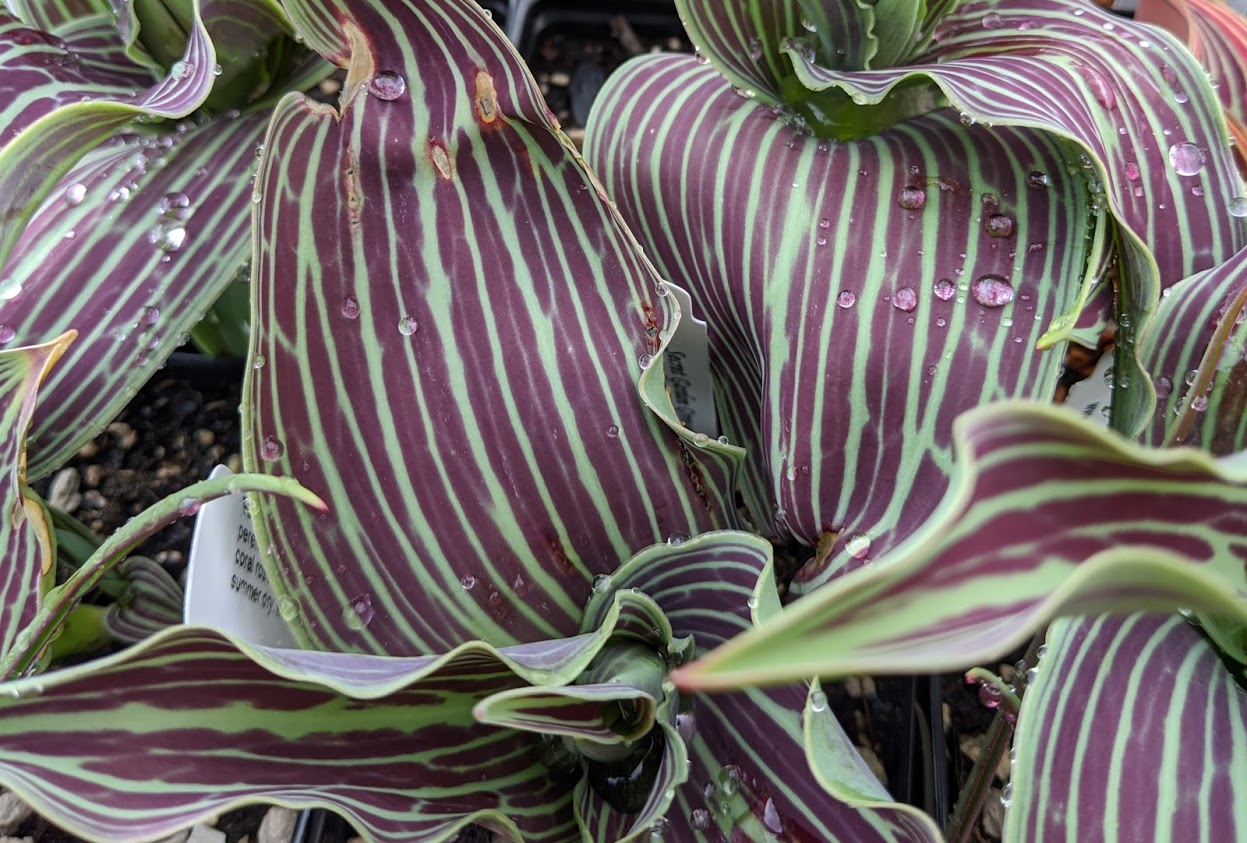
287	608
645	361
271	449
857	545
945	289
700	819
175	205
601	583
149	316
1187	159
167	239
1037	179
350	307
912	198
387	85
998	225
989	695
407	326
818	701
358	613
770	817
468	582
992	291
1238	206
677	538
74	194
7	334
755	48
846	299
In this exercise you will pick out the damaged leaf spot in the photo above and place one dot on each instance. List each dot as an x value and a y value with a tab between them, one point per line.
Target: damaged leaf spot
486	98
441	160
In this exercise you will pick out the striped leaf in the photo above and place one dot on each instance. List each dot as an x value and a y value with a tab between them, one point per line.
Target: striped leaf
23	654
1216	34
190	723
25	527
64	94
139	239
1195	355
450	322
153	600
859	295
1048	515
49	15
1133	730
748	777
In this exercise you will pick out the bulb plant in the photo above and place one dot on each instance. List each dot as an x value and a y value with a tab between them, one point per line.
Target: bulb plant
534	579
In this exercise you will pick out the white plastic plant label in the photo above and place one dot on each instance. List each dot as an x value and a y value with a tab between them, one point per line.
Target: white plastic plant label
1093	398
688	370
226	586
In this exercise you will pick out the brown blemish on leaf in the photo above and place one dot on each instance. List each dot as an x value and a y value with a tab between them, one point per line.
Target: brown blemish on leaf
351	186
486	98
361	66
441	160
693	470
560	555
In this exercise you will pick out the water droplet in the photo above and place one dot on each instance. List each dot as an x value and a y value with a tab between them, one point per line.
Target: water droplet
601	583
287	608
912	198
686	725
770	817
407	326
992	291
1006	795
1189	378
1181	98
945	289
966	119
677	538
1100	87
941	322
998	225
613	431
468	582
167	239
989	695
175	205
217	70
271	449
181	69
358	613
700	57
387	85
846	299
701	819
755	48
824	223
258	362
149	316
745	93
818	701
1238	206
729	780
188	507
1037	179
74	194
992	21
646	361
119	194
857	545
350	307
1199	403
1187	159
7	334
723	440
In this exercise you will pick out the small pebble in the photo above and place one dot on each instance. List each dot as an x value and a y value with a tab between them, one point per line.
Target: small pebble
206	834
13	812
205	437
127	438
93	475
277	826
63	493
560	80
89	450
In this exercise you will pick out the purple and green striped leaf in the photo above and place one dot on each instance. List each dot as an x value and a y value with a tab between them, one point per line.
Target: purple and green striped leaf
751	752
139	239
152	601
190	723
451	323
1048	515
1195	355
22	655
859	295
50	15
65	94
25	526
1132	730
